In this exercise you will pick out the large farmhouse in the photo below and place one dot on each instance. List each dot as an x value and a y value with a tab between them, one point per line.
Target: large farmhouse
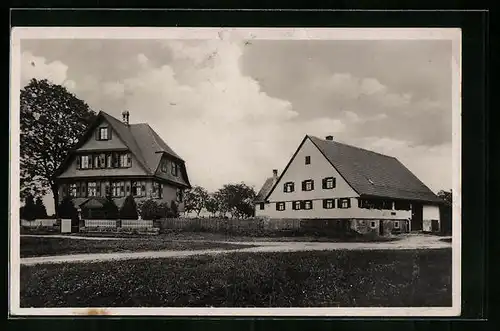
117	158
328	180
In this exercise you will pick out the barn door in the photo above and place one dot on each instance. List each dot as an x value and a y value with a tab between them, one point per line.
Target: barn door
416	216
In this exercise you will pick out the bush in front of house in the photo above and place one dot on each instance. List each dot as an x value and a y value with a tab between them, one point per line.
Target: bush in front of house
173	211
28	211
110	209
129	209
151	210
66	209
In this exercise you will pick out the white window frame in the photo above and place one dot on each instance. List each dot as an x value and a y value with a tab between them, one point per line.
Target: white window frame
308	185
92	189
297	203
396	225
105	130
331	201
288	187
373	224
306	202
342	201
84	161
72	190
329	182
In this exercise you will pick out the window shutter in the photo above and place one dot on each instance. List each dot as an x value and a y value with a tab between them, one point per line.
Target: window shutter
292	187
334	182
333	203
302	205
324	201
109	133
277	206
284	188
312	184
97	134
323	183
303	185
129	160
78	160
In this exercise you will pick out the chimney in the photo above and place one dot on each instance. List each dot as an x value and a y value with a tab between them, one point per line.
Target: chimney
125	117
329	137
275	173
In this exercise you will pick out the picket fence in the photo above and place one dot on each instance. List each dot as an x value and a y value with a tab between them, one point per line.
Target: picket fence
135	224
127	224
38	223
100	223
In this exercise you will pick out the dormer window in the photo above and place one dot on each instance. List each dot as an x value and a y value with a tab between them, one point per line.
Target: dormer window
104	133
175	169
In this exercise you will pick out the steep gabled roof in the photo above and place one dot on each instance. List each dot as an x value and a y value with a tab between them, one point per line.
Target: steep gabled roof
372	174
142	141
266	188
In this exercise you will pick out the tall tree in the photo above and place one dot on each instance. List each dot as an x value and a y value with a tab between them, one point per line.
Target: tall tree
195	199
447	196
51	121
212	204
238	199
129	209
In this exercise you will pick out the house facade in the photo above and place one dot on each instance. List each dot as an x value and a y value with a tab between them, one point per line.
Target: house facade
328	180
117	158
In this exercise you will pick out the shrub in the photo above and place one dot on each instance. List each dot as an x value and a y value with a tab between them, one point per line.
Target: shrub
28	211
66	209
129	209
110	209
173	211
40	209
150	210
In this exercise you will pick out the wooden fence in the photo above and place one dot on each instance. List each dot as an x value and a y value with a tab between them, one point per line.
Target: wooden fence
135	224
100	224
218	224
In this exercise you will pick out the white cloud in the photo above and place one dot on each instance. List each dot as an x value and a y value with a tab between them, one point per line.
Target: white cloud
216	118
142	59
36	67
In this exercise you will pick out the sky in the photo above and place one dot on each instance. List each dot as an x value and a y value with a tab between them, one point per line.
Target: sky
234	109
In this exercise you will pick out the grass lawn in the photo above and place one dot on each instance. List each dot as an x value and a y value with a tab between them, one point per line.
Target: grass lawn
398	278
39	246
209	236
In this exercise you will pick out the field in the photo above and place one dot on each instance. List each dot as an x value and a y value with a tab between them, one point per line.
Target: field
40	246
343	278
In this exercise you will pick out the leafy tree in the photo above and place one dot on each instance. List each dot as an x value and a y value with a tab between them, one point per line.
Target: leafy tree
28	211
173	211
195	200
237	199
212	204
66	209
51	121
40	210
446	196
129	209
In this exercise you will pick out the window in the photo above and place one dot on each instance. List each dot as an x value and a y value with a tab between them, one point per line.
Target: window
157	190
288	187
308	185
103	133
373	224
109	162
118	189
139	189
296	205
125	160
180	195
279	206
92	189
396	224
307	204
175	169
72	190
329	183
329	203
164	166
261	206
345	203
308	160
85	162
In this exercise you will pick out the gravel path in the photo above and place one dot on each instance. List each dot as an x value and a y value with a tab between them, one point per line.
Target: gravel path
408	242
